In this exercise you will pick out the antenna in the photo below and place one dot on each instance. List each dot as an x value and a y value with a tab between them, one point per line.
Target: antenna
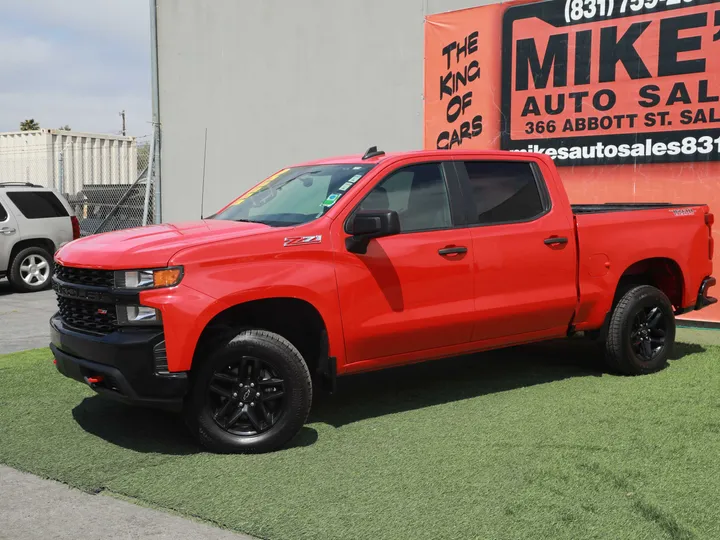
373	152
202	193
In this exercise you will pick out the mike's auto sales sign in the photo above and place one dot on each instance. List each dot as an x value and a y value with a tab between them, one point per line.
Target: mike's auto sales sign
585	81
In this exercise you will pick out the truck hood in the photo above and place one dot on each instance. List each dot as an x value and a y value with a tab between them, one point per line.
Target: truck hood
151	246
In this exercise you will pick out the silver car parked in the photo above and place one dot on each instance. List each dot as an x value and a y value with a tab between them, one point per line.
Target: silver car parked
34	222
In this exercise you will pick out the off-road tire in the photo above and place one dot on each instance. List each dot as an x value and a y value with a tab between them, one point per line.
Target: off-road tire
619	353
15	276
285	359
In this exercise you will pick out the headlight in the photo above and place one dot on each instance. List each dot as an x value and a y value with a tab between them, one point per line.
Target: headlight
138	315
148	279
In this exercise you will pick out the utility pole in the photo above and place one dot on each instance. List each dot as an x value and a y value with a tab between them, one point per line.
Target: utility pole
122	114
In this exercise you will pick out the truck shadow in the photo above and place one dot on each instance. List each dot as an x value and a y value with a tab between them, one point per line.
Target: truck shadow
370	395
417	386
148	430
135	428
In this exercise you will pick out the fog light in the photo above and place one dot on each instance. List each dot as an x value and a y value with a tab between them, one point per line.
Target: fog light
138	315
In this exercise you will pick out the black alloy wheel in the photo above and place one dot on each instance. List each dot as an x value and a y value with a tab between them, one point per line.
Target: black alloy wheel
647	336
641	332
250	394
246	397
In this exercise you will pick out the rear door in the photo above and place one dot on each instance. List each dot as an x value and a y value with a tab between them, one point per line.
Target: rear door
525	252
413	291
9	235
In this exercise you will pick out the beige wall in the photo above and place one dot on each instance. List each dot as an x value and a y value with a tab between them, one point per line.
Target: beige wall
279	81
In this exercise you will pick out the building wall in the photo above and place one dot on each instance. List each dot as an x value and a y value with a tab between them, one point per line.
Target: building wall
276	82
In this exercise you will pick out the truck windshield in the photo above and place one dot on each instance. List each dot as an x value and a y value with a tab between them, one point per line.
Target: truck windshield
294	196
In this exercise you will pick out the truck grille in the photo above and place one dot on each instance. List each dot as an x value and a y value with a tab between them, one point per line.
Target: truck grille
85	276
88	316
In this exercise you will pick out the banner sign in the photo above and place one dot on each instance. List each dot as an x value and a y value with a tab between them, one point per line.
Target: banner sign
612	81
585	81
462	70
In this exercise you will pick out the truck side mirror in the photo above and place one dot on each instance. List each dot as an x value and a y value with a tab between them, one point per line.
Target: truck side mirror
368	224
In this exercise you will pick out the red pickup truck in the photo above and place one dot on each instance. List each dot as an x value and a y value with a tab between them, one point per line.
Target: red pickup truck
359	263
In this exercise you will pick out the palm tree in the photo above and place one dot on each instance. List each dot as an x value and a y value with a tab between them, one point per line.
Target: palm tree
29	125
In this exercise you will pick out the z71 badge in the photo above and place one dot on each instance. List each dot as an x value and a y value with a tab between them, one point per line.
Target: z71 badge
302	240
684	212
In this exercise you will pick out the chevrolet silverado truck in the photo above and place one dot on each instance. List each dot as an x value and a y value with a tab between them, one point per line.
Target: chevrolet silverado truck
359	263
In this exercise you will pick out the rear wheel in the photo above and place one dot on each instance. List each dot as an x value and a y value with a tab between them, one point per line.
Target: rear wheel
641	333
31	270
251	395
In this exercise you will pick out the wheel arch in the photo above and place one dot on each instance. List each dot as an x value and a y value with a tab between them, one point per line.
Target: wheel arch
279	315
44	243
663	273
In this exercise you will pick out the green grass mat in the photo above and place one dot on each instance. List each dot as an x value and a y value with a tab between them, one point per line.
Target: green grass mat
535	442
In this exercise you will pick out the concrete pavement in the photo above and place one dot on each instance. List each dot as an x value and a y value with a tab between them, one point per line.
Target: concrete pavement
24	319
32	508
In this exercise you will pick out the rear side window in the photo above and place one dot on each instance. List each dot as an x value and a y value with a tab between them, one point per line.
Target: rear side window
3	213
37	204
504	192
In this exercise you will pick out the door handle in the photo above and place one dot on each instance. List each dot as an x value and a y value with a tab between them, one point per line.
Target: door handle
7	230
556	240
452	250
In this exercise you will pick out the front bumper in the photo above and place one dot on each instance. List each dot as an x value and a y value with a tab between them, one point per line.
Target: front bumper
125	365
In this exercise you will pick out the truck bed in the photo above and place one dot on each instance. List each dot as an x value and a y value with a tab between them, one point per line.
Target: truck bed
623	207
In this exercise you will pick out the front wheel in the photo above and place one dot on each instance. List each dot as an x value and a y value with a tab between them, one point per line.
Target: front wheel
251	395
641	332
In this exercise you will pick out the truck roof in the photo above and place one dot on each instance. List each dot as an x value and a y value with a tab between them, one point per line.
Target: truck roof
440	154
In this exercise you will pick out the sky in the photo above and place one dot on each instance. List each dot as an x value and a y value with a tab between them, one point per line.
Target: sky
76	62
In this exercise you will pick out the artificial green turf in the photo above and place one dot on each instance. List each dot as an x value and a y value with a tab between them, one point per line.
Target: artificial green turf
534	442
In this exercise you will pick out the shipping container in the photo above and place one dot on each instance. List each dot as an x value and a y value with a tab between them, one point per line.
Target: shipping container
67	160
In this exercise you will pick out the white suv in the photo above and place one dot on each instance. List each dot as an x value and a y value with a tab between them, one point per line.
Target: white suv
34	222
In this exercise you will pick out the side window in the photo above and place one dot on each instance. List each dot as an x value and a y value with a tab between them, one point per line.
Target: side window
37	204
418	194
504	191
3	213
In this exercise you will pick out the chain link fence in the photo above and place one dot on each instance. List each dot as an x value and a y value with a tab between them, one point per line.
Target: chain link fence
104	178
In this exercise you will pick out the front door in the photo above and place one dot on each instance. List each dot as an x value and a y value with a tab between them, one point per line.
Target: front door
412	291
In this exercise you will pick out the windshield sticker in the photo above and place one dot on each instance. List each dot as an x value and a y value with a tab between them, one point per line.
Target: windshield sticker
257	188
332	199
292	241
354	178
345	186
